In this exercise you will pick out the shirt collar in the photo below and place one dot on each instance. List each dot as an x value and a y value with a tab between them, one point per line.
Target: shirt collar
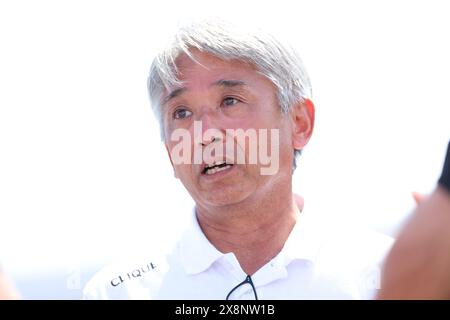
198	254
303	242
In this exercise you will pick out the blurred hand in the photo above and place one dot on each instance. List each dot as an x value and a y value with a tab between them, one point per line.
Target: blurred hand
299	201
418	197
418	266
7	290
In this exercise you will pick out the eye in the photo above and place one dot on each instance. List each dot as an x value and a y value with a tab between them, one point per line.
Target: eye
230	101
181	113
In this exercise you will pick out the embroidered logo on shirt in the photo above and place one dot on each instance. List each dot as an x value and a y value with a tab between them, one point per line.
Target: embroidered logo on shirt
136	273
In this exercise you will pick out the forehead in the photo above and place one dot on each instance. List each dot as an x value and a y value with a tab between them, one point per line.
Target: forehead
204	68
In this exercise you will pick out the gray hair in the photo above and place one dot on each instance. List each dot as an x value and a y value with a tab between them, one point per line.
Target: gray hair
276	61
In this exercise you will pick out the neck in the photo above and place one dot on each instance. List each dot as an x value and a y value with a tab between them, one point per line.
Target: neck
254	230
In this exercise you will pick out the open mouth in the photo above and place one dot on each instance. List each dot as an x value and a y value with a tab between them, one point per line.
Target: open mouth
216	167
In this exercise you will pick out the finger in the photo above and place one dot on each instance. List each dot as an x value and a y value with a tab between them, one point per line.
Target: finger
418	197
299	201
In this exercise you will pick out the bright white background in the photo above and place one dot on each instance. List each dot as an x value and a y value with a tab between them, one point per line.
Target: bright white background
84	179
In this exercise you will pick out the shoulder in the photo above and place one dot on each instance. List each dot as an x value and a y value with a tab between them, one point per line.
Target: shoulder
362	243
143	278
139	279
344	240
357	255
356	246
348	242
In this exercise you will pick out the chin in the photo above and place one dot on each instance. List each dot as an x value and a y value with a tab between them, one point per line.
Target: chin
224	197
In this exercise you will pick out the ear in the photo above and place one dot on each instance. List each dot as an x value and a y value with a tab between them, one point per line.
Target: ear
302	123
171	162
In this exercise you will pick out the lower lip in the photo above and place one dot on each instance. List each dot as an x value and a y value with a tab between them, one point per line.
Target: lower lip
219	174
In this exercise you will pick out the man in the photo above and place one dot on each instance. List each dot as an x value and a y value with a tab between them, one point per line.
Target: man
235	110
418	267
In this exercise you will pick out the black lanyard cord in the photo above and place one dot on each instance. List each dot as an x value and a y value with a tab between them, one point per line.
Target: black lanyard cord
247	280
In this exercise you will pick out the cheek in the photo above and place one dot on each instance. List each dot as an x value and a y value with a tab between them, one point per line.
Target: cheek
285	143
168	130
286	138
183	172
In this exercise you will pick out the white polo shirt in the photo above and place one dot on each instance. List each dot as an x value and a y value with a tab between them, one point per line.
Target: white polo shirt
316	262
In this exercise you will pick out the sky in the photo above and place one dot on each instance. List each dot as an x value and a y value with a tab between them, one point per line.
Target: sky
85	179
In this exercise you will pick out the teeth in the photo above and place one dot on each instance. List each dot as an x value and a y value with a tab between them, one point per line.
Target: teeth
216	163
214	170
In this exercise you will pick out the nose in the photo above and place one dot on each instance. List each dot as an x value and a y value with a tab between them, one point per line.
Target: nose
211	130
205	142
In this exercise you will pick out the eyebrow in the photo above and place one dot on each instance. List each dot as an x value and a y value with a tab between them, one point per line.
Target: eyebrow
229	83
221	83
173	94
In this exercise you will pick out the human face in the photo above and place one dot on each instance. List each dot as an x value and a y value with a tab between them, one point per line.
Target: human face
225	95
